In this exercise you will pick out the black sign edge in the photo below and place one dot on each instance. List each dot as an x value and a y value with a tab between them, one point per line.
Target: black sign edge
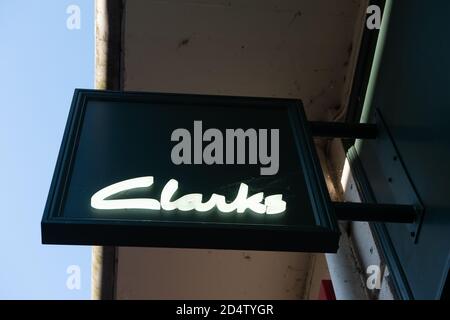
326	233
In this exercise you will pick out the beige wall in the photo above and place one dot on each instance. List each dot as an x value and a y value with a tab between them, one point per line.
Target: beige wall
210	274
270	48
301	49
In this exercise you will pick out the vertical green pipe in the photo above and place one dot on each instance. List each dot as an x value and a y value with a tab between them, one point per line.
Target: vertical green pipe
376	65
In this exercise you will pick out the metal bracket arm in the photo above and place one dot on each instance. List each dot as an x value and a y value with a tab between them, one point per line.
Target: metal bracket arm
343	130
391	213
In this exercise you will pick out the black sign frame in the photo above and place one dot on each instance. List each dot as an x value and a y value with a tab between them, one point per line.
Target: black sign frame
58	229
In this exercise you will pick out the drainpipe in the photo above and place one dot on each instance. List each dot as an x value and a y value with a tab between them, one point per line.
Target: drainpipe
108	43
376	62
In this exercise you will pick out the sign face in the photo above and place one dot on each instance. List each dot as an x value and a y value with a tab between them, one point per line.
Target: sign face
188	171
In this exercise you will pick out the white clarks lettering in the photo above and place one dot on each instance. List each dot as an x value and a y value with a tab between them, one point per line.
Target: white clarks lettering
256	203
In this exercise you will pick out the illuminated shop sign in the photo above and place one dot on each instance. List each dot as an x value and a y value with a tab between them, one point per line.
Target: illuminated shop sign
188	171
272	204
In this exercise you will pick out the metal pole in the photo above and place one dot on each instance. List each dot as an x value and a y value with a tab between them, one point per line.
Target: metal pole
393	213
343	130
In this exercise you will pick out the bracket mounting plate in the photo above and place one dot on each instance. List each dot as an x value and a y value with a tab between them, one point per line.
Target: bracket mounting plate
390	174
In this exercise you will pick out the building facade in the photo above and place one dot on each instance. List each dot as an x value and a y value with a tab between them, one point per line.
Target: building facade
318	51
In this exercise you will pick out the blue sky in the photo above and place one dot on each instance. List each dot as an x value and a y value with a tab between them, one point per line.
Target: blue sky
41	62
